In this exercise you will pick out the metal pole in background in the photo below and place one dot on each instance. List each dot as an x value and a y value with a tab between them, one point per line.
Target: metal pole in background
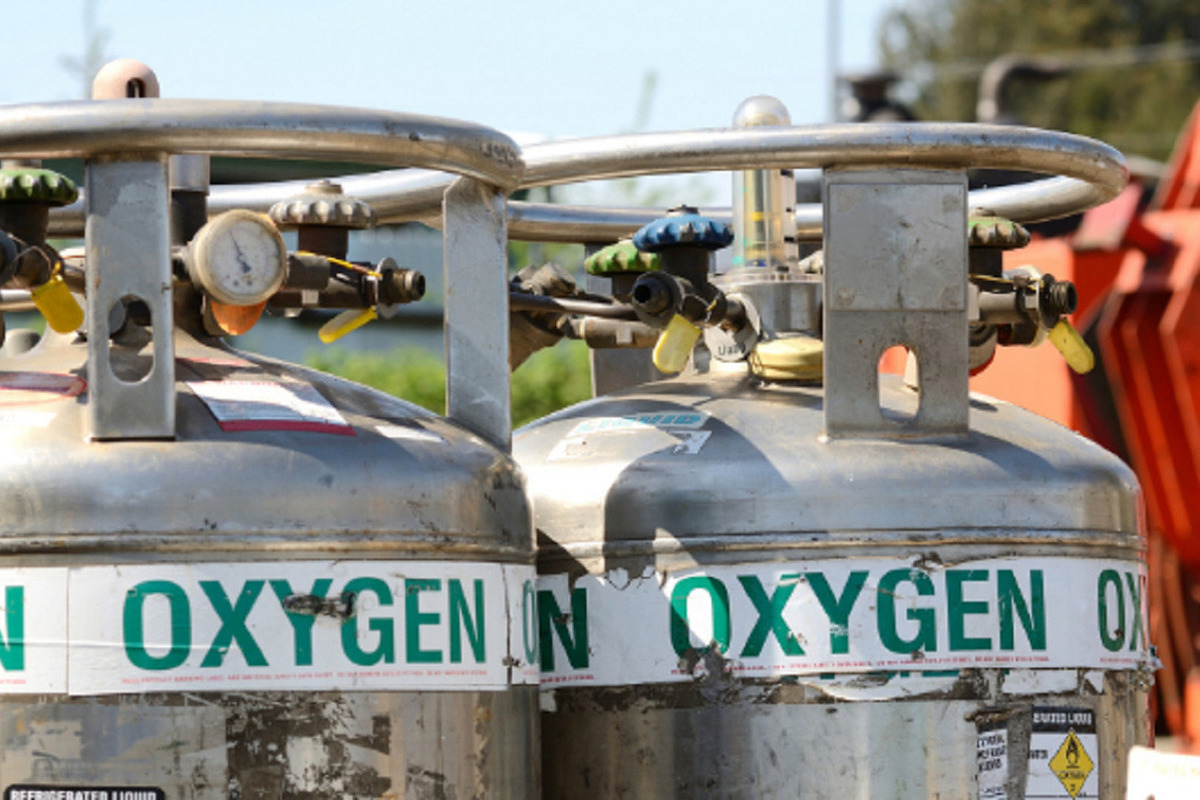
833	53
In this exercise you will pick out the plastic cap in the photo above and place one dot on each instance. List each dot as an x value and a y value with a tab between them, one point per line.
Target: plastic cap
675	344
58	305
236	320
795	358
345	322
1074	349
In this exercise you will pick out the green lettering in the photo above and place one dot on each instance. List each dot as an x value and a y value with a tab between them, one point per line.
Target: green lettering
681	638
574	641
12	649
1109	577
233	623
415	619
770	615
460	617
134	629
925	639
1135	604
385	650
957	608
303	621
1032	613
838	609
529	622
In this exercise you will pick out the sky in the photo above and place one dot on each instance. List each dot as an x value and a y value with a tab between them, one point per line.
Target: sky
557	70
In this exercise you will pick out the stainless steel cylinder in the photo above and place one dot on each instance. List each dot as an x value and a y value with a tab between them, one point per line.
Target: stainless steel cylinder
732	605
766	587
315	590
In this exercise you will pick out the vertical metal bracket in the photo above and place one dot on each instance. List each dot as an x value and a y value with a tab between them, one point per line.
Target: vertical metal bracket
128	255
895	274
475	230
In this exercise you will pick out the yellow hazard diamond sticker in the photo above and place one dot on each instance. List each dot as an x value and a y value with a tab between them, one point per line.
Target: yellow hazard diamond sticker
1071	764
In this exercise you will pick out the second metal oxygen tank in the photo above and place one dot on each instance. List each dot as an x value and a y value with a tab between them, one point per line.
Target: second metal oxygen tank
754	583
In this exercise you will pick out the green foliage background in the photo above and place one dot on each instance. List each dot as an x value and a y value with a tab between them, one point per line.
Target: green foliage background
1137	107
551	379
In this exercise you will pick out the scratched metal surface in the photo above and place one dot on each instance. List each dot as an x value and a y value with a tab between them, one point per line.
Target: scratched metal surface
440	494
268	745
250	493
769	740
765	480
765	487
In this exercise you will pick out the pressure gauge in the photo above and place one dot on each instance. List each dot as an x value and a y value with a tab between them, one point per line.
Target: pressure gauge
238	258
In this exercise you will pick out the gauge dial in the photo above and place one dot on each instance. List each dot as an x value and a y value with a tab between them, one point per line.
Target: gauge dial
238	258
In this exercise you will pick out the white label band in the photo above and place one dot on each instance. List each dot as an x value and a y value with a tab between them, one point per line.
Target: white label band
343	625
844	615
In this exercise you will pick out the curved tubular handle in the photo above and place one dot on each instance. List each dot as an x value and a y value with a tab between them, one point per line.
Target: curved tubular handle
1092	173
270	130
125	144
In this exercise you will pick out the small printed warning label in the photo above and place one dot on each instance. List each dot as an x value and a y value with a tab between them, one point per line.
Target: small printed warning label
23	388
1072	764
269	406
40	792
1062	748
991	757
679	431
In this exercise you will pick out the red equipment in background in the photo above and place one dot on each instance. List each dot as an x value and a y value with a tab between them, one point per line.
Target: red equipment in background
1137	273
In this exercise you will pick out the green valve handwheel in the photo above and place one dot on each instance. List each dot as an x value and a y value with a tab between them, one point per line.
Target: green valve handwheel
26	195
36	185
620	258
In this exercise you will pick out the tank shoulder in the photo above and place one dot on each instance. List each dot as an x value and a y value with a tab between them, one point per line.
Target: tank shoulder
262	448
729	455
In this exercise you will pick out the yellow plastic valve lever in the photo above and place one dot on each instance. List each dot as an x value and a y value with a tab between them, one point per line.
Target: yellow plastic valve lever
58	305
345	322
675	345
1074	349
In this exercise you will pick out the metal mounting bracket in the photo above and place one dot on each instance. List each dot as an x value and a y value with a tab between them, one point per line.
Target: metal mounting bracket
476	316
128	256
895	274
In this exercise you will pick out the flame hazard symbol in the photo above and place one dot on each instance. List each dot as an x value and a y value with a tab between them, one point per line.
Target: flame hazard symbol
1071	764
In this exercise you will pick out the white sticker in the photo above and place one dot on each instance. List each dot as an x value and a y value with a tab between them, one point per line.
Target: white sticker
690	442
269	406
410	434
1062	754
842	616
679	431
26	388
33	630
662	420
343	625
991	760
1163	776
26	419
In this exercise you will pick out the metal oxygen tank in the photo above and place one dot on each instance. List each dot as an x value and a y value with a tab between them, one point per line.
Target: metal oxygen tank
225	576
786	575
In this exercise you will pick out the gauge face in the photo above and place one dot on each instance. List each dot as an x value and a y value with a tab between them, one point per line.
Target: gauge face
238	258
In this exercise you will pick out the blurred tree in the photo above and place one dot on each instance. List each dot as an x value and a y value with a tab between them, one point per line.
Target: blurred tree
93	57
1133	66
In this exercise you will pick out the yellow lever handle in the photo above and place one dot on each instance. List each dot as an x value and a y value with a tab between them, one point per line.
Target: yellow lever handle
58	305
675	345
1074	349
345	322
